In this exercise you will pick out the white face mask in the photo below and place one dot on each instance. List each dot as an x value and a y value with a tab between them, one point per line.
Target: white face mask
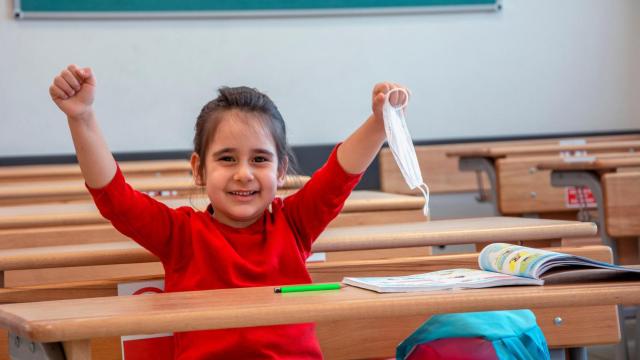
401	145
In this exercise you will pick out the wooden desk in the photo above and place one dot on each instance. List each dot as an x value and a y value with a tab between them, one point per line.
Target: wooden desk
385	335
441	171
388	236
524	188
153	168
483	160
361	207
593	174
66	190
599	163
503	151
74	322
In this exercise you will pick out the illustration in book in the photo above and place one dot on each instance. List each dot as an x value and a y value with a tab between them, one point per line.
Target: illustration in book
500	265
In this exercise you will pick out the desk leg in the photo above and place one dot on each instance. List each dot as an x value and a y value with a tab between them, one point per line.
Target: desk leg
77	350
638	333
561	178
483	165
21	348
579	353
590	180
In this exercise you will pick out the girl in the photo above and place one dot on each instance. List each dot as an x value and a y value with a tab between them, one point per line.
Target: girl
247	236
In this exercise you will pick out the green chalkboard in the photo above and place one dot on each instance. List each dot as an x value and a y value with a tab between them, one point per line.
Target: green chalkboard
167	8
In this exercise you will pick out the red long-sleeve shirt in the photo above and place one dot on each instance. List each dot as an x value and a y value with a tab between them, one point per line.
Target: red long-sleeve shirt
200	253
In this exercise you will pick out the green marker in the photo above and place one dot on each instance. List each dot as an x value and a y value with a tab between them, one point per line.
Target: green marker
310	287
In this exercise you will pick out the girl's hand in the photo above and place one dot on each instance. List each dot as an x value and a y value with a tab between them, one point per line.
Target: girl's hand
73	91
380	90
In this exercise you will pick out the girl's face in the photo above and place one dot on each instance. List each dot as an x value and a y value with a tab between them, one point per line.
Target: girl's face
241	169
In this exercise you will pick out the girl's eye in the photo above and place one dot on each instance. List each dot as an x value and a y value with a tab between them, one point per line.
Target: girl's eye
226	159
260	159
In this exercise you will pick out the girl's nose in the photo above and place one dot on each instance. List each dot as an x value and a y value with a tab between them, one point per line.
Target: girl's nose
243	173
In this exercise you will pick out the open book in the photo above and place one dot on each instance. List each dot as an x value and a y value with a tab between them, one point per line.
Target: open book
502	265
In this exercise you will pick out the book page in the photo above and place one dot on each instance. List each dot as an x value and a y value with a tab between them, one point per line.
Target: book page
515	260
437	280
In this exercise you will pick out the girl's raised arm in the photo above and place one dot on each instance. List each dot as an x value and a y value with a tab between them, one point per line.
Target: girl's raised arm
361	147
73	92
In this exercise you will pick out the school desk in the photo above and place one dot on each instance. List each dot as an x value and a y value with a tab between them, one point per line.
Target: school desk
483	160
617	200
575	329
48	172
616	193
21	264
52	190
441	172
74	322
362	207
523	188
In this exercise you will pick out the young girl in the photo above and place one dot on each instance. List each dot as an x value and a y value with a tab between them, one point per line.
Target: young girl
247	236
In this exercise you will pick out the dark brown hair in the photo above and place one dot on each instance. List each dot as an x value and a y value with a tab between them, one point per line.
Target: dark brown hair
248	100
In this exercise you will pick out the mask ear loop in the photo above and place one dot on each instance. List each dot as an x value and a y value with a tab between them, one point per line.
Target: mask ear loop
406	98
425	193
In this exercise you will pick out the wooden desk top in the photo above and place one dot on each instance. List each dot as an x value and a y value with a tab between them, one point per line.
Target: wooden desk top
448	232
438	232
12	173
80	213
78	319
502	151
596	163
75	188
68	188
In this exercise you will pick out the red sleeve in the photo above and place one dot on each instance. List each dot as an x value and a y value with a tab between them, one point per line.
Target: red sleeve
147	221
320	200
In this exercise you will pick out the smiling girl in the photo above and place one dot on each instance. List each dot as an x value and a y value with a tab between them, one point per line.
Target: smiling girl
247	236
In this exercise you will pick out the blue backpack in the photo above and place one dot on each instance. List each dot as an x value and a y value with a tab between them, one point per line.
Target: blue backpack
490	335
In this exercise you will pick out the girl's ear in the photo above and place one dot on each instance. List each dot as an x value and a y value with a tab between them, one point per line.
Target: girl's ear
282	172
195	169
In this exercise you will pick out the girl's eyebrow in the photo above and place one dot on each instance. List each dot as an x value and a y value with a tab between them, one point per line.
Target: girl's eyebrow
231	150
223	151
263	152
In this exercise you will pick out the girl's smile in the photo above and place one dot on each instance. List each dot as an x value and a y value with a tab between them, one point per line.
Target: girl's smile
243	195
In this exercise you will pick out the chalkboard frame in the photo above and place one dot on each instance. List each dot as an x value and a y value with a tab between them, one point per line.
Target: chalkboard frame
150	9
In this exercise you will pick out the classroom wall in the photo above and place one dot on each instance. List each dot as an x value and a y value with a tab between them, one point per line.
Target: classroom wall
537	66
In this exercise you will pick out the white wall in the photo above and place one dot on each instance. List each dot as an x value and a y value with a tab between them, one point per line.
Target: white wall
538	66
